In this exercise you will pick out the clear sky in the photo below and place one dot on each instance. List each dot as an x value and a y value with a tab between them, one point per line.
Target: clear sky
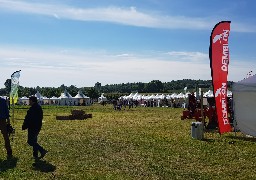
81	42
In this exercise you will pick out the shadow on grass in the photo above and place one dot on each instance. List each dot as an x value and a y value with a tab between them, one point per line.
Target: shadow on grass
43	166
209	134
208	140
251	139
9	163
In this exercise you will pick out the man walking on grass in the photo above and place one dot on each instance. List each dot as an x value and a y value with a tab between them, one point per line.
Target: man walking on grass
33	122
4	122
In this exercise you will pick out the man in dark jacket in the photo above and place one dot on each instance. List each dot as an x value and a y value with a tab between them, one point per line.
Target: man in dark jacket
4	121
33	122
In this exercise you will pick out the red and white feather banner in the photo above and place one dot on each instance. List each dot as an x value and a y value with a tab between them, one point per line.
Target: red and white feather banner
219	61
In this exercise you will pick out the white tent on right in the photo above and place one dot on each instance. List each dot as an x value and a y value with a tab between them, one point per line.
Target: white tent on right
102	98
244	102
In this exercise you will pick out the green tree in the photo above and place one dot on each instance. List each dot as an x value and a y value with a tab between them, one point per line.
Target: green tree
97	86
73	90
154	86
93	93
8	84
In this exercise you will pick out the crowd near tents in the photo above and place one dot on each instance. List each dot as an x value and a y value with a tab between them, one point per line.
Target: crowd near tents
137	96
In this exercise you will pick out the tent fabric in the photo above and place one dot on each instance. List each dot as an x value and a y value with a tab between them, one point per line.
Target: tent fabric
65	95
38	95
244	102
102	98
80	95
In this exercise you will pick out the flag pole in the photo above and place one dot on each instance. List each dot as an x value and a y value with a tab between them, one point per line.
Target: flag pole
13	111
12	100
14	90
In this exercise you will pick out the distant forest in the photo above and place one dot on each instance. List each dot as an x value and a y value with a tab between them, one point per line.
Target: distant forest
113	91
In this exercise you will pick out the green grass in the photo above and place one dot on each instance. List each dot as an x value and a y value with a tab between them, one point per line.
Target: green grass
138	143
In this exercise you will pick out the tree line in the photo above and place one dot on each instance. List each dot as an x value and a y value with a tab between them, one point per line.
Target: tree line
113	91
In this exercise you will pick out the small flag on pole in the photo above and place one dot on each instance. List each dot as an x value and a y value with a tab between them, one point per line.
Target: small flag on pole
14	87
249	74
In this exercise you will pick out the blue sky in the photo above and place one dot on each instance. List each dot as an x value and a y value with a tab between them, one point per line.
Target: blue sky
81	42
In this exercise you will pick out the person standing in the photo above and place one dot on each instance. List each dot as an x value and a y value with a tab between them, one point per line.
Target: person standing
4	122
33	123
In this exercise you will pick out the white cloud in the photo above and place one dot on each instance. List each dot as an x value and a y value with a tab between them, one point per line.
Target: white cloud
53	67
189	56
56	16
128	16
124	55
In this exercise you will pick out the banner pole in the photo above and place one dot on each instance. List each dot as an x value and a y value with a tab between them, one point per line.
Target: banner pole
202	108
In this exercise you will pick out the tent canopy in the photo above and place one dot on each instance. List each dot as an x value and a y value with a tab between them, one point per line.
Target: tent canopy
244	101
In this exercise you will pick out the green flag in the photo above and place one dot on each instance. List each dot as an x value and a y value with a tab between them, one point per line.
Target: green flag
14	87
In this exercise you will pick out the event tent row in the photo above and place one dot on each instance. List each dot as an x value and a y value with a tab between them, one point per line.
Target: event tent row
137	96
64	99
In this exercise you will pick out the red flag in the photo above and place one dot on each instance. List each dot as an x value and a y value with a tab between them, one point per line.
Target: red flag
219	57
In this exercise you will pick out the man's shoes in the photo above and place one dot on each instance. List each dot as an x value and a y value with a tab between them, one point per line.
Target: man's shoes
9	155
43	153
35	154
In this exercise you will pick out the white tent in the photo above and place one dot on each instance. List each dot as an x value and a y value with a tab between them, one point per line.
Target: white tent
66	98
55	100
244	101
209	93
24	100
82	99
102	98
39	97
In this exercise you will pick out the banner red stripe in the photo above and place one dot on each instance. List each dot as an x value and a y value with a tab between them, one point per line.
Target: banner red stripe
219	57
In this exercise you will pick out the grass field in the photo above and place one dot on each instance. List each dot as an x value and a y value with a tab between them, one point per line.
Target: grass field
138	143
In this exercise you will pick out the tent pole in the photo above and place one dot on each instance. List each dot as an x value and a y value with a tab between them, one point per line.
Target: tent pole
234	119
233	105
202	110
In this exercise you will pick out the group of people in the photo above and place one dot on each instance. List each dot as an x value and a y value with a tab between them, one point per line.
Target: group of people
32	123
130	103
119	103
